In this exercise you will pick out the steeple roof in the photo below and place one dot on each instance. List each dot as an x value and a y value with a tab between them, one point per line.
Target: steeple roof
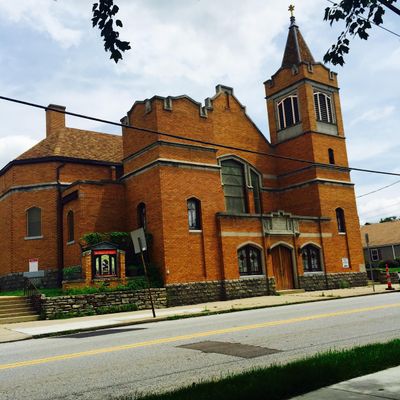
296	50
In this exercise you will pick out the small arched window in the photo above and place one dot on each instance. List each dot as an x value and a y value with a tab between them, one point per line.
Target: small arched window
249	258
288	111
311	256
70	226
34	222
141	216
323	107
331	155
255	182
194	214
234	186
341	223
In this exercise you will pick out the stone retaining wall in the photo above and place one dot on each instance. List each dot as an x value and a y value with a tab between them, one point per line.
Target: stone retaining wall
318	281
55	307
15	281
203	292
394	277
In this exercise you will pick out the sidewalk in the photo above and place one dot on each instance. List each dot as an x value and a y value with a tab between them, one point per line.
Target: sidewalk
380	385
28	330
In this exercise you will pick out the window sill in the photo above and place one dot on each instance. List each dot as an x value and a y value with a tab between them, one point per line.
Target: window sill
342	233
33	237
252	276
71	242
195	231
308	273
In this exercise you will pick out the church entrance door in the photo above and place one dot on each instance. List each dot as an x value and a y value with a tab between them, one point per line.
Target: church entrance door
283	267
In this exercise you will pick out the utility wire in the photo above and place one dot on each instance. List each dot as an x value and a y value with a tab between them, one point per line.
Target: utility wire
378	190
152	131
366	19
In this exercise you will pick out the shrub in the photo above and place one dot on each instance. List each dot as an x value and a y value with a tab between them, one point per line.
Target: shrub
390	263
344	284
71	273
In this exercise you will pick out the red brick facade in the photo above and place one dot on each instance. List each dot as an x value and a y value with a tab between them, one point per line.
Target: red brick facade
292	231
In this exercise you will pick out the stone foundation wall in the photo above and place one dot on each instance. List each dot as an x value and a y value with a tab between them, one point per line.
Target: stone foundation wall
394	277
55	307
203	292
15	281
311	282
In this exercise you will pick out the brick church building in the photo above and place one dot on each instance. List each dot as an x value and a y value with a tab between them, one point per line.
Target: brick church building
231	213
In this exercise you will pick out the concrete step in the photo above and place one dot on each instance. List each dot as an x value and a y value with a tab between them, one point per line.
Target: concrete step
12	320
290	291
13	300
16	309
19	313
19	307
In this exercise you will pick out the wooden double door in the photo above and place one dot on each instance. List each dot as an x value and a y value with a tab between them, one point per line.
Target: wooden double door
282	264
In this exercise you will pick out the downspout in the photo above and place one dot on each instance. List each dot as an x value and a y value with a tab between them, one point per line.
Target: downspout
323	253
60	227
264	241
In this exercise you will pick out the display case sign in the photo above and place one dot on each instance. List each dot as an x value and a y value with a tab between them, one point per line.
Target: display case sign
105	262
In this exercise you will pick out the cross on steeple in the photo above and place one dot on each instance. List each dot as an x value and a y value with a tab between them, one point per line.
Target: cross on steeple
291	9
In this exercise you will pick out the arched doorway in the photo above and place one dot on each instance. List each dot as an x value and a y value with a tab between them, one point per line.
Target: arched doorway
282	265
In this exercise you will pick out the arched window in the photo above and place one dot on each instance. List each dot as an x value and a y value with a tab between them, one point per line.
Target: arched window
255	182
234	186
34	222
311	256
194	214
249	258
70	226
323	107
331	155
288	111
341	224
141	216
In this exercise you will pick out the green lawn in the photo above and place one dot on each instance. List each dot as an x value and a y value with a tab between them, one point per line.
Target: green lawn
280	382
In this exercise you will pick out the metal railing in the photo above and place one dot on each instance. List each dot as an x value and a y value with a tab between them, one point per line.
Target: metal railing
30	288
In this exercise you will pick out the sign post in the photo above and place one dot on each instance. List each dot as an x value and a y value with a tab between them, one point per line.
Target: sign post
369	261
139	245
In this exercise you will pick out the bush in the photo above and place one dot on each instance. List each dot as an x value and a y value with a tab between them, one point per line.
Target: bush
72	273
344	284
391	263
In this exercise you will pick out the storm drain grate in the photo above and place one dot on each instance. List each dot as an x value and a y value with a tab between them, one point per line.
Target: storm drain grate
231	349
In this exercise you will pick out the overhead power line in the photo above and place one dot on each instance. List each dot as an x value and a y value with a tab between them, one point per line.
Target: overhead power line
203	142
378	190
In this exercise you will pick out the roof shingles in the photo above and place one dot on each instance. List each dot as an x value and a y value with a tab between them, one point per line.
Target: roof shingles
383	234
77	143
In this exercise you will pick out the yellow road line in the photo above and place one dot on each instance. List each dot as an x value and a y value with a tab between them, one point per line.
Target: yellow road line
192	336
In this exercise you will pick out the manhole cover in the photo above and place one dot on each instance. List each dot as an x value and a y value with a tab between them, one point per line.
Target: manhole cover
231	349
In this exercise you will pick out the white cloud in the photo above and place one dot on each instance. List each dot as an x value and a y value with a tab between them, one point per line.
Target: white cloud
12	146
42	16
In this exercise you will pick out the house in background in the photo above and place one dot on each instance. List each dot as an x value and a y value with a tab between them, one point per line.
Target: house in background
384	241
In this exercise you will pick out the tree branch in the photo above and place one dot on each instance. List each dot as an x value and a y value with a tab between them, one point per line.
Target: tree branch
390	6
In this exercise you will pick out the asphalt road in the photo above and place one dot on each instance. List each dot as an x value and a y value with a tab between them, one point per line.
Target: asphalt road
159	356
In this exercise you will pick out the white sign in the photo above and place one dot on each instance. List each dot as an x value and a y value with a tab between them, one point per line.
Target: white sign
33	264
345	263
138	235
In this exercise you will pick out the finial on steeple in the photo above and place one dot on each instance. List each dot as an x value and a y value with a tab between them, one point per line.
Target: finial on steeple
292	18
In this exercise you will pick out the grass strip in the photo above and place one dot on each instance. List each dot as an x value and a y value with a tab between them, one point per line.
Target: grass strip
279	382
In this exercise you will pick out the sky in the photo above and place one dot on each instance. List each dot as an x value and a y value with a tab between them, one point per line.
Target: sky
50	54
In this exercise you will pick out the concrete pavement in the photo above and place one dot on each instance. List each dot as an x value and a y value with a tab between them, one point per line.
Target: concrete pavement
28	330
380	385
